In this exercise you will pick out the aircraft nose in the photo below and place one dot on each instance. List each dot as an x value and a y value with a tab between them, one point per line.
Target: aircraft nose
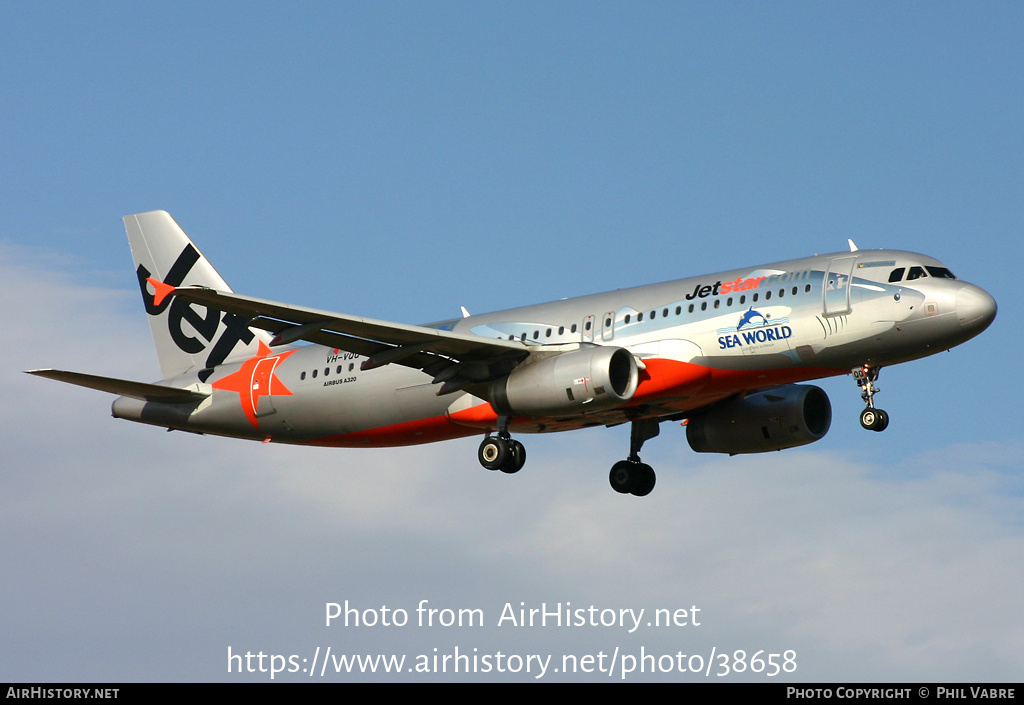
975	308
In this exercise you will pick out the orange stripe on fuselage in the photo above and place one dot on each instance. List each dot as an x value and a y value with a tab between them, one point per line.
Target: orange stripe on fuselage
670	378
662	379
410	433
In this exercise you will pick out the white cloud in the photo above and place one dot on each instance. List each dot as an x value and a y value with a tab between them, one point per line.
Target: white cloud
136	554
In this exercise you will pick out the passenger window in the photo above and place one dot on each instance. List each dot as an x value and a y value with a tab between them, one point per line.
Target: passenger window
664	312
679	309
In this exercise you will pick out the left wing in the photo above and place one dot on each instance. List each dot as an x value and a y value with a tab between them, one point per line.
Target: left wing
456	359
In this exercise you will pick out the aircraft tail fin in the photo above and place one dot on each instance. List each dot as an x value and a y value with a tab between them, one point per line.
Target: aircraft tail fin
187	336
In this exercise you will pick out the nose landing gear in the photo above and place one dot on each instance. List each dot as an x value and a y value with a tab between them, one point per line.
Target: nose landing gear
871	418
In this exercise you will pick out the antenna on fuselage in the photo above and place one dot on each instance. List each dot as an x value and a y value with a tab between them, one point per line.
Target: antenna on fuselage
853	245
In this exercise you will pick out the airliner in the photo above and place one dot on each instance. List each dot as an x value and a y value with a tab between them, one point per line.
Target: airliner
727	355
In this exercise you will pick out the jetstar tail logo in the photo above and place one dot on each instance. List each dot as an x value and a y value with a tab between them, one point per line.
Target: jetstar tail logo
161	290
202	327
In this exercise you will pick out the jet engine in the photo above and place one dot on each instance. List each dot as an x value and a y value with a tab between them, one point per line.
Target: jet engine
590	379
773	419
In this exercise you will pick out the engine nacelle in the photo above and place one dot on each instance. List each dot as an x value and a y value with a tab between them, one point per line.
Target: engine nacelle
590	379
784	417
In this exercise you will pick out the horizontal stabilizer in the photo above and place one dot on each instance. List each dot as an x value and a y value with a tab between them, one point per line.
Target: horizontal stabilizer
136	390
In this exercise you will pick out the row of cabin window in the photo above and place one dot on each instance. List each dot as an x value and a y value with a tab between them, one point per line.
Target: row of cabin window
327	371
729	301
664	312
547	334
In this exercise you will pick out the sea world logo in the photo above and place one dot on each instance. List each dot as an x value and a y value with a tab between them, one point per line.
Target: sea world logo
750	318
760	327
757	336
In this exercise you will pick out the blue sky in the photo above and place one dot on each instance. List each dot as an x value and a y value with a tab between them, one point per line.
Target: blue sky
399	160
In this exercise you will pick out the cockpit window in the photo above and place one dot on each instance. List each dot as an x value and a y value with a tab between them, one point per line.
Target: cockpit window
897	275
916	273
941	273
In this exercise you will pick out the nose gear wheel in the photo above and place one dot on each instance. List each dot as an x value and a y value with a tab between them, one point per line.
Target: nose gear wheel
871	418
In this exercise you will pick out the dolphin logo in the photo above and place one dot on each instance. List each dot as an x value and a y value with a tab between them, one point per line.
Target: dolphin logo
749	316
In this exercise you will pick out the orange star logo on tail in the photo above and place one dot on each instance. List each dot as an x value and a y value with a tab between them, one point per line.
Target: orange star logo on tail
255	379
160	290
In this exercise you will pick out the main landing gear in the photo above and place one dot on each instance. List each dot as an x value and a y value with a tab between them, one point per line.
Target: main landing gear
502	452
871	418
630	476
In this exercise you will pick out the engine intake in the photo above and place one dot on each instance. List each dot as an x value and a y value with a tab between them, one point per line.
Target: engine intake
783	417
591	379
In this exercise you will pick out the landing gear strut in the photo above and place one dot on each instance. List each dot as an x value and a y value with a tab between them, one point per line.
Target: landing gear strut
871	418
502	452
630	476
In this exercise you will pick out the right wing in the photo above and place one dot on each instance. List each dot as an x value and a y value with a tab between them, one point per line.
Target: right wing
456	359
